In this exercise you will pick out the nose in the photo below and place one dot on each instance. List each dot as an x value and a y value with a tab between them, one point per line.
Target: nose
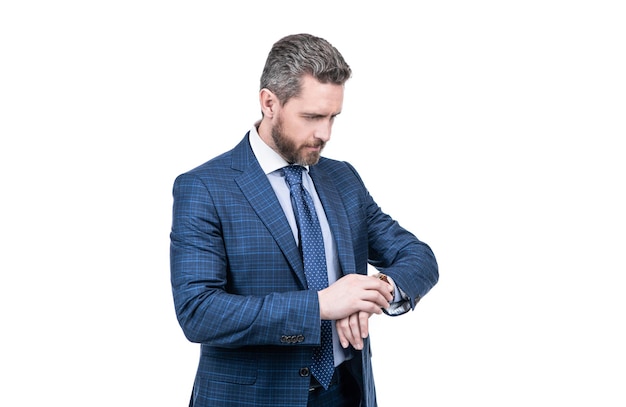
324	130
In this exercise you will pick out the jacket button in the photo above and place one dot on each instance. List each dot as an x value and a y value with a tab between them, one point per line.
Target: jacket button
300	338
304	372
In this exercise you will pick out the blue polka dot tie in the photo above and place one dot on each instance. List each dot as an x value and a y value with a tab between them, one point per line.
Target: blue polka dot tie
314	259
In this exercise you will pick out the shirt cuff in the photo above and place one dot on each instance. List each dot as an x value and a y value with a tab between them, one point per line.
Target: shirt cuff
400	303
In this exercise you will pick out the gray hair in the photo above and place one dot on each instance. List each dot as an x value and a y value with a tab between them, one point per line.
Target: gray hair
297	55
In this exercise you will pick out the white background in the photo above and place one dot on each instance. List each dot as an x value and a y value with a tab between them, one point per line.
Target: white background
504	122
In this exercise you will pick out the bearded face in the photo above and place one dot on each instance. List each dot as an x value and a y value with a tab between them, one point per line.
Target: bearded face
306	153
299	128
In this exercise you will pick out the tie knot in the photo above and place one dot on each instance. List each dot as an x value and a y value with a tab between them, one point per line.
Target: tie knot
293	174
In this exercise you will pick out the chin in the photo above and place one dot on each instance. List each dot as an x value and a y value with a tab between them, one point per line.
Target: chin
310	160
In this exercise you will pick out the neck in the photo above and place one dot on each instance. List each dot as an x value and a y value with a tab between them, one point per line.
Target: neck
264	128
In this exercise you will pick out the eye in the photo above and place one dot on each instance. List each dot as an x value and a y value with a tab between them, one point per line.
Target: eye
319	117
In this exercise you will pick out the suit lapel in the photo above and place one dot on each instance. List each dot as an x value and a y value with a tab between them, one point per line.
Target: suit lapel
261	196
337	217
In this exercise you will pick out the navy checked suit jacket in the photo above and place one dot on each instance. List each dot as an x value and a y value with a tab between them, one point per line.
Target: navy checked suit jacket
238	281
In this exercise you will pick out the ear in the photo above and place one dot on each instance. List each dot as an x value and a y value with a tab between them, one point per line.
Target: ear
269	103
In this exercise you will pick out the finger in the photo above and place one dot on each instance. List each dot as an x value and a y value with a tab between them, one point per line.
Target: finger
343	332
364	324
382	288
355	328
376	299
385	286
367	284
392	285
387	291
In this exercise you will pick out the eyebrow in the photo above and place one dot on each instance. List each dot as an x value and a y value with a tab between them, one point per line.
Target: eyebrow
318	115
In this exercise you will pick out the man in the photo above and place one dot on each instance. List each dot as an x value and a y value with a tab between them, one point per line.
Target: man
270	244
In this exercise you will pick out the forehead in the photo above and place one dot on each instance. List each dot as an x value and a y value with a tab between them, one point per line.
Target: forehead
317	97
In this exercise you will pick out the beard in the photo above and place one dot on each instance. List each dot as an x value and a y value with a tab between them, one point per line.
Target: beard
293	153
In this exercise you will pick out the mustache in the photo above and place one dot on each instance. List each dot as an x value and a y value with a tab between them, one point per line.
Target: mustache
318	143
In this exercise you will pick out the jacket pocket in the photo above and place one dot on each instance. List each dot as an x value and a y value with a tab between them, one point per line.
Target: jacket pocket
227	366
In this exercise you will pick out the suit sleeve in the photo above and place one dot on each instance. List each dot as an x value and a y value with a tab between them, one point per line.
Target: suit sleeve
206	310
398	253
